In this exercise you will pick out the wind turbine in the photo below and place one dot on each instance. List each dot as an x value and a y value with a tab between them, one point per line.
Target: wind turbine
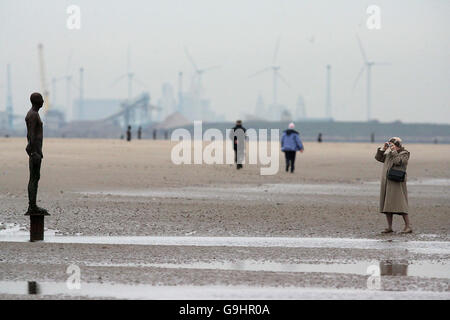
275	73
328	107
198	71
367	66
55	80
131	78
69	84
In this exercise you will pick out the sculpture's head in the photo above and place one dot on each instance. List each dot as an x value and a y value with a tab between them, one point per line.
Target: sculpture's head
37	100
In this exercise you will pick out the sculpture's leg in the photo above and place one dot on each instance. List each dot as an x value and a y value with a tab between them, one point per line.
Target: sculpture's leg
35	175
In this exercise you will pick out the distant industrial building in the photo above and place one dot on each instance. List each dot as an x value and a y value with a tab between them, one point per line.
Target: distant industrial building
197	109
95	109
167	103
54	119
300	109
3	120
286	114
260	108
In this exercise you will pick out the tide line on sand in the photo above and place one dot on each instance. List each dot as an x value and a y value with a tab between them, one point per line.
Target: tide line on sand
123	291
424	247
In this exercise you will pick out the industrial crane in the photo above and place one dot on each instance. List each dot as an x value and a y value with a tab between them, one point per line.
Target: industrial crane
141	103
44	87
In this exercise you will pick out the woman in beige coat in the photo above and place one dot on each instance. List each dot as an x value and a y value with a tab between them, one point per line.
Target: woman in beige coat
393	195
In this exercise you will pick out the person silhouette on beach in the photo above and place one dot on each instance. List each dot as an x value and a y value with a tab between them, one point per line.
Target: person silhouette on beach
290	144
237	135
35	136
129	134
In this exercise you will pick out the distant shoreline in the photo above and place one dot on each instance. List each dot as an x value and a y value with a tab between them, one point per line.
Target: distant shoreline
332	131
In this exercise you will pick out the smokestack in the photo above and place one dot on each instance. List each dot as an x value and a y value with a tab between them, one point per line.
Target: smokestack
180	92
328	94
81	92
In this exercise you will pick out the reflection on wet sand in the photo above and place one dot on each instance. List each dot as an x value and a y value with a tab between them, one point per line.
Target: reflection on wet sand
424	269
217	292
393	268
421	247
33	287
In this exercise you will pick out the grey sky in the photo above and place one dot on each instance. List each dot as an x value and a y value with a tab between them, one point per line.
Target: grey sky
240	35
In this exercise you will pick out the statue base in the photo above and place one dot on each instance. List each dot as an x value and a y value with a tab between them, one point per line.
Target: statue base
36	226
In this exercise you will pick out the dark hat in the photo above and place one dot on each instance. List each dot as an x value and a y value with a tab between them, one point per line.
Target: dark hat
397	141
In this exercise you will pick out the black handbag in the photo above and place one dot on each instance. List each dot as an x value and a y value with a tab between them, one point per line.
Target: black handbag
396	175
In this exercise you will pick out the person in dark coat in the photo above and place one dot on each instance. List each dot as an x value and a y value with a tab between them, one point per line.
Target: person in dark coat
393	194
129	134
290	144
238	136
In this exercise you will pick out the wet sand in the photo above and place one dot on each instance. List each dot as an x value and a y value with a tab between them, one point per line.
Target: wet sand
98	188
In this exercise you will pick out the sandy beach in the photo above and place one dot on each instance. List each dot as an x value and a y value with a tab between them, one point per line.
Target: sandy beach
115	189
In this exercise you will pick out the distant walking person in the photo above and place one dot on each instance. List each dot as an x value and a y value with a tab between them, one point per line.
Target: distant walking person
129	134
319	138
35	136
237	135
139	133
290	144
394	194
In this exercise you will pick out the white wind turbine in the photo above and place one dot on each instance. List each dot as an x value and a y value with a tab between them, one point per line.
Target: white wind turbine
131	77
129	115
69	84
275	73
367	66
199	72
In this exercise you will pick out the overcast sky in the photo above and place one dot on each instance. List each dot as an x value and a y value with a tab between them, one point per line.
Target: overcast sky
239	35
